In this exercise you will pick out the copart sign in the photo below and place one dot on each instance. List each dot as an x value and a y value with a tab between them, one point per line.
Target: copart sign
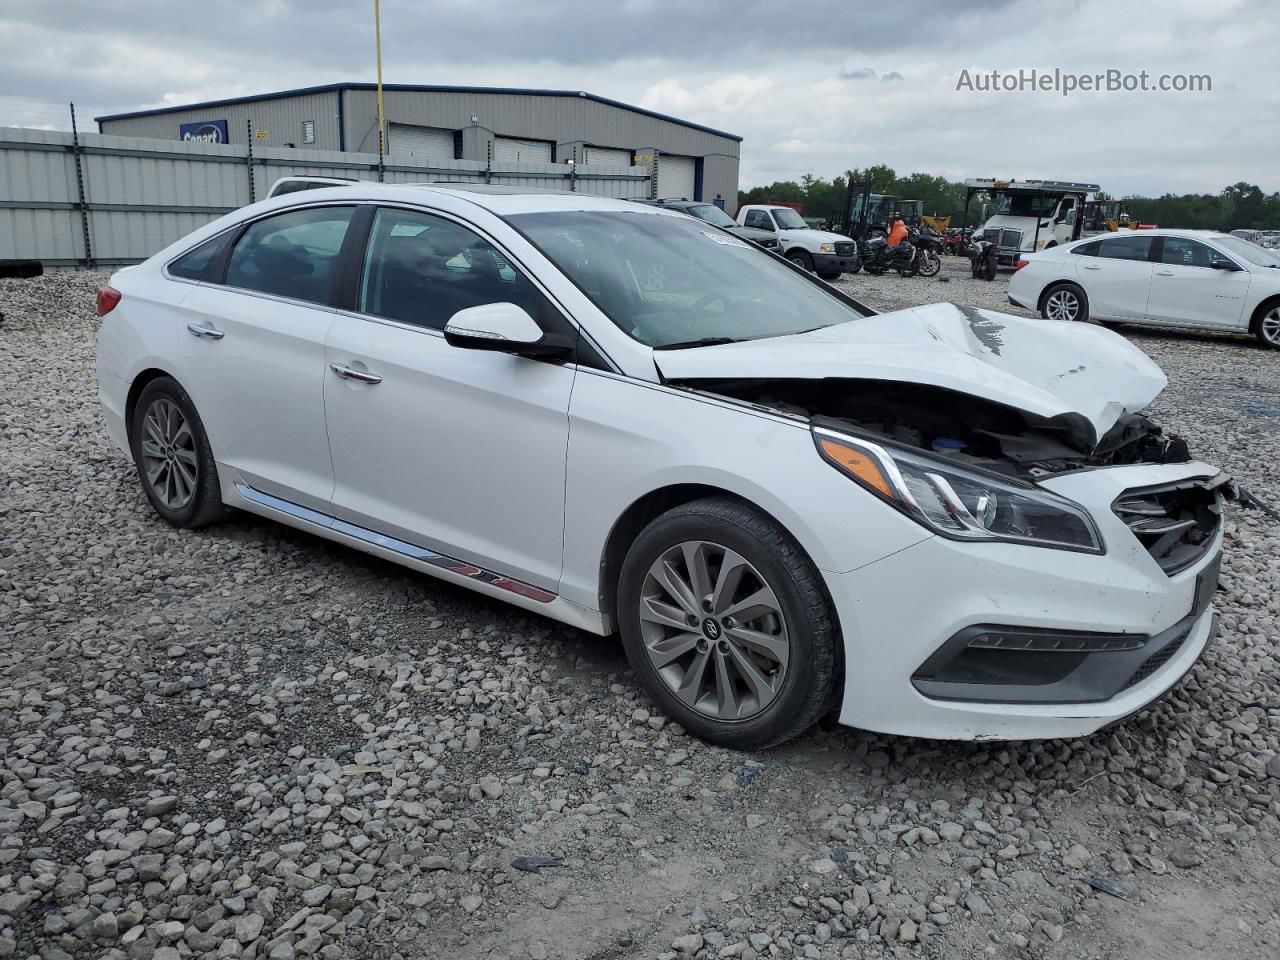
204	131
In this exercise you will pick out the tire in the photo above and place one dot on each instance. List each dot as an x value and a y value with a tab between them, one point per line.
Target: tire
856	268
654	623
1266	325
830	274
174	448
930	264
1065	301
801	259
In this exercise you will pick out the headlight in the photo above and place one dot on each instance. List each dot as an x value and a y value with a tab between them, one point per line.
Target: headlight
826	248
958	501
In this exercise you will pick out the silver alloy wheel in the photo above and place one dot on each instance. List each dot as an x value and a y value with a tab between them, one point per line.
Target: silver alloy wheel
714	630
169	454
1062	305
1271	327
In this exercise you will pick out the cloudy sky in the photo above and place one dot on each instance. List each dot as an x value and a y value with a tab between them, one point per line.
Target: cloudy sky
815	87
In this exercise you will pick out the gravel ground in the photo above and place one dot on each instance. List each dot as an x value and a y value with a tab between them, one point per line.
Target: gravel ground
247	742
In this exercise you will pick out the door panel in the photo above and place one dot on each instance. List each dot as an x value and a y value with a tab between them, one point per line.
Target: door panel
462	451
459	450
258	389
1185	289
254	354
1118	278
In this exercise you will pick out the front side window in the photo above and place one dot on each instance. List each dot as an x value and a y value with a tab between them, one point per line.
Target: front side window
1182	252
758	219
672	280
291	254
422	269
1125	248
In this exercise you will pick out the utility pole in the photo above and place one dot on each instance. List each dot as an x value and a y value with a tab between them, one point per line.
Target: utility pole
382	117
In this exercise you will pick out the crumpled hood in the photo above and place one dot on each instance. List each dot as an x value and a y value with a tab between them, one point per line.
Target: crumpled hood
1045	368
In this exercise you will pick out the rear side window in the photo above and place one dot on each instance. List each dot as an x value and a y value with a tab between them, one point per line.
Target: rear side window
291	254
1126	248
1087	249
423	269
203	262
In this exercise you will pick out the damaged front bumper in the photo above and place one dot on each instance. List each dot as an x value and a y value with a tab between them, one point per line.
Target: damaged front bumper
1130	630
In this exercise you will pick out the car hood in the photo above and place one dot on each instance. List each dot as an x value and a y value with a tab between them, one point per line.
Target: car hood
1083	375
815	236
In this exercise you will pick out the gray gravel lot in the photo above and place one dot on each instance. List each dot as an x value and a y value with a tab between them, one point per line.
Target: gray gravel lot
248	742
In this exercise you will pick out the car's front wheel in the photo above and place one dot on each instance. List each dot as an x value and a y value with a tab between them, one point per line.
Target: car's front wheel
1267	326
172	453
727	624
1065	301
801	259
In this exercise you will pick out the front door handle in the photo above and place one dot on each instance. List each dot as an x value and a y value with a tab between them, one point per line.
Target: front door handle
350	373
1164	273
204	331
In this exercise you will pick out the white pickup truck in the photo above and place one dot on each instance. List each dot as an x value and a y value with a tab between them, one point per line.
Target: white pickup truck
827	254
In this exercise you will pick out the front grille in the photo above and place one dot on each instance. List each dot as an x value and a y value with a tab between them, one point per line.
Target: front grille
1005	239
844	249
1176	524
1156	661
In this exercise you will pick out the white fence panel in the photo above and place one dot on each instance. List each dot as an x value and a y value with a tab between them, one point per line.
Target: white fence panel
135	196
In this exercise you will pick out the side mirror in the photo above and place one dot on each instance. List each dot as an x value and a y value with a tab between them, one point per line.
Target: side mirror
1222	263
503	327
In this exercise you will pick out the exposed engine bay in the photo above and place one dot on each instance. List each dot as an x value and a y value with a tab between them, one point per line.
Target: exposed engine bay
957	425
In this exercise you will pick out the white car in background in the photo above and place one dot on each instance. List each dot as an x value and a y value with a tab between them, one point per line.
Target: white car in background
1182	278
940	522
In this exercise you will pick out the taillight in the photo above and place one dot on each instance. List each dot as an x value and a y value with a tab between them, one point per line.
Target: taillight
108	297
1020	265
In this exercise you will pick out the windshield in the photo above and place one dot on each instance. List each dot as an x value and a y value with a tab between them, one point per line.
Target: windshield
672	280
1248	251
712	214
788	219
1026	205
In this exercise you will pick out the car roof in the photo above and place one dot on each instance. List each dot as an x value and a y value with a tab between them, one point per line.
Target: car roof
500	199
1158	232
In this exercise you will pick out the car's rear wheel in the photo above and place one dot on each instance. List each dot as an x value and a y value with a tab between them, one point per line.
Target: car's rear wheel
727	624
1267	326
801	259
172	453
1065	301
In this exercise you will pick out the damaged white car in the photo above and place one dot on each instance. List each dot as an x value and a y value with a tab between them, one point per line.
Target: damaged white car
938	522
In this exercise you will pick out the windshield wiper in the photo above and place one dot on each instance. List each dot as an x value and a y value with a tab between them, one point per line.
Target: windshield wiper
700	342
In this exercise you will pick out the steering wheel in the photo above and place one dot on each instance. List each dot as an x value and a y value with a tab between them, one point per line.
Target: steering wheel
709	298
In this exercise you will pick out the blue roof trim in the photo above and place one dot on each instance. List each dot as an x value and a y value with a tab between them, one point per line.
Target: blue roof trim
419	88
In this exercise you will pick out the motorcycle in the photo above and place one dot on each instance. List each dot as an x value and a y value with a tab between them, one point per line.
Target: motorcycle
957	241
878	257
982	259
928	243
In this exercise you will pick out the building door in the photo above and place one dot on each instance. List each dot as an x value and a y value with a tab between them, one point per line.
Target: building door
677	176
422	144
606	157
512	150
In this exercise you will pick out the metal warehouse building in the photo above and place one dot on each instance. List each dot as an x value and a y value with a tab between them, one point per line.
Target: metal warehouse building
431	123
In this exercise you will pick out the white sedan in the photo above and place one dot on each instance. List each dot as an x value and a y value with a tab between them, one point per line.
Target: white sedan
1181	278
939	522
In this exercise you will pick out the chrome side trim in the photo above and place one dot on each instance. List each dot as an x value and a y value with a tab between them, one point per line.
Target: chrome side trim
409	550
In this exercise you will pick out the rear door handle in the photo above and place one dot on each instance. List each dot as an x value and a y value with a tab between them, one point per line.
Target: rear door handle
1092	266
1164	273
350	373
204	331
